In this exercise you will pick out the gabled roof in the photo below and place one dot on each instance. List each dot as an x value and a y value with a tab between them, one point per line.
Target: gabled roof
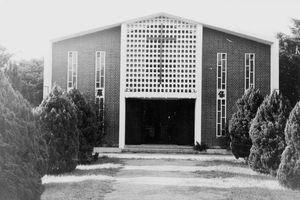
243	34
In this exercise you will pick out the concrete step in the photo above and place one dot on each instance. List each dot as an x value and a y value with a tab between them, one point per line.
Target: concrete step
106	150
157	146
159	149
167	149
164	151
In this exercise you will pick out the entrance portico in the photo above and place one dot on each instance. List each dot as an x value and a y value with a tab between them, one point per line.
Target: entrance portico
161	60
159	121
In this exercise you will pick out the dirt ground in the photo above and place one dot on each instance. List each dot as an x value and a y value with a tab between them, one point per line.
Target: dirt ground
138	178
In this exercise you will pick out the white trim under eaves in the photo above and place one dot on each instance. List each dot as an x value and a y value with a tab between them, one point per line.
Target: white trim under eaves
47	83
274	66
242	34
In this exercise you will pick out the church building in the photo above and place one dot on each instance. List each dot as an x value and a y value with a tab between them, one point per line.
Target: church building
163	79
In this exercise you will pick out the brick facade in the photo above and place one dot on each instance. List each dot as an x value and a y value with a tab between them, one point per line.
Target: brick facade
108	41
218	42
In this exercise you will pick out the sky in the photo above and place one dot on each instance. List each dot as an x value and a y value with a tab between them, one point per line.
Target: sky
27	26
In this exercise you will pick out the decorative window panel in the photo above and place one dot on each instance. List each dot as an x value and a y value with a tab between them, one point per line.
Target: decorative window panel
249	70
161	56
100	82
72	70
221	94
45	91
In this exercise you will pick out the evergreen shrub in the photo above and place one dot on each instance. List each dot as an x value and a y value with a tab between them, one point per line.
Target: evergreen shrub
23	153
267	134
57	114
241	121
88	126
289	169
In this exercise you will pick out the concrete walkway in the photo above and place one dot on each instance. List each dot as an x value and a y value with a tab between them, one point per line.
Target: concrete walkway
163	177
174	177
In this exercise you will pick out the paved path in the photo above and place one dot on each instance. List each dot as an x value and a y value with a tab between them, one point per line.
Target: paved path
149	179
186	178
165	176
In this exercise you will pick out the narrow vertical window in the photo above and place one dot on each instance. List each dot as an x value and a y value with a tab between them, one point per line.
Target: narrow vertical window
100	82
72	70
45	91
249	70
221	94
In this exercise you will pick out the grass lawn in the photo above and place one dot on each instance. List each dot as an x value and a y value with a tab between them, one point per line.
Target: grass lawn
149	179
81	190
89	189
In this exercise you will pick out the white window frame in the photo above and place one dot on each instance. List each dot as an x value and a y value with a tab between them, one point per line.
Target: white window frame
99	63
248	66
221	124
45	91
72	64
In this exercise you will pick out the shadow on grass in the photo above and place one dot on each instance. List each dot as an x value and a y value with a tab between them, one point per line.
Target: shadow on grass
106	159
104	171
222	174
263	194
244	193
89	189
234	163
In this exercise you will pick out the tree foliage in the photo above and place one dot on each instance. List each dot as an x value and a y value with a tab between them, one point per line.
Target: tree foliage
267	134
31	74
27	77
289	169
289	62
59	122
4	57
13	75
88	125
240	122
23	153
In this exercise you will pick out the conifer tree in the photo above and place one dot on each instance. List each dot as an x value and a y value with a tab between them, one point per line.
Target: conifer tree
240	122
88	126
23	153
267	134
59	122
289	169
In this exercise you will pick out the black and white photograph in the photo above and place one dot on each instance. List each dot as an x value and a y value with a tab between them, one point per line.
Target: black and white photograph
149	100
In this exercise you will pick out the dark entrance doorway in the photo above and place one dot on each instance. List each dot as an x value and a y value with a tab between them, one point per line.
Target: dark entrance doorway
160	121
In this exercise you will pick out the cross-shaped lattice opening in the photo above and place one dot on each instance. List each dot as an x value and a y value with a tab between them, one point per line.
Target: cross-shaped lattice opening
161	56
161	39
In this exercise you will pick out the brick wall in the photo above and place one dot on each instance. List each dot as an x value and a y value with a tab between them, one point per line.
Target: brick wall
108	41
218	42
213	42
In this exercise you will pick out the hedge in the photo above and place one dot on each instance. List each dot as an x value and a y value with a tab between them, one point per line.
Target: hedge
23	153
59	122
289	169
267	134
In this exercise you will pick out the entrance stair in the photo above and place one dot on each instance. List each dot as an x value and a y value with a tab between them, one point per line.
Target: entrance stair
159	149
168	149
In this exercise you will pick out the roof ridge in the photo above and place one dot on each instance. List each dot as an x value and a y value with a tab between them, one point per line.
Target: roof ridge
243	34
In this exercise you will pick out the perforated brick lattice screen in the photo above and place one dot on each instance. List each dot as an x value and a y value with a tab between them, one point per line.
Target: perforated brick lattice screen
161	56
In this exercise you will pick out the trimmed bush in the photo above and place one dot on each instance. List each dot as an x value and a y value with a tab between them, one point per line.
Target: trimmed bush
240	122
59	122
88	126
200	147
23	153
289	169
267	134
